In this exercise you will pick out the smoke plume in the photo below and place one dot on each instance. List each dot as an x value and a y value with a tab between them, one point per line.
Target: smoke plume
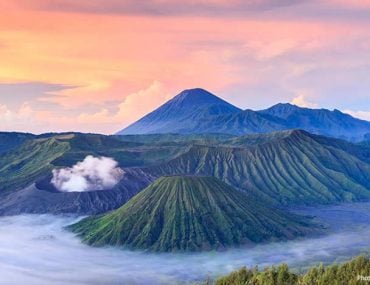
93	173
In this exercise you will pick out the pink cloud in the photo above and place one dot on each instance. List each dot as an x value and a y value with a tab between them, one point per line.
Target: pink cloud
260	58
132	108
364	115
156	7
350	3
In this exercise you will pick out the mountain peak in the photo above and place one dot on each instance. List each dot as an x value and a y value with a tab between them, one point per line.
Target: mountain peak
283	107
282	110
183	112
195	92
196	97
196	110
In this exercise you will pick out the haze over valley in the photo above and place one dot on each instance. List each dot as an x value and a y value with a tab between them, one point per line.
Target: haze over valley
49	253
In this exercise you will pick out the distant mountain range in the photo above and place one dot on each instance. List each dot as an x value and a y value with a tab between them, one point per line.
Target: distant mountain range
197	111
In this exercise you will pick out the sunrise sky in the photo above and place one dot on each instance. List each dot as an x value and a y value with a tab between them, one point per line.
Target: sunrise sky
97	65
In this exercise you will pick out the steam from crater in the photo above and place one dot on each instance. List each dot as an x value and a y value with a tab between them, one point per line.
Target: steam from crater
93	173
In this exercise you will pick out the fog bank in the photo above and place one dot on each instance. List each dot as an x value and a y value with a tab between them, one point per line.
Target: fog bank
35	250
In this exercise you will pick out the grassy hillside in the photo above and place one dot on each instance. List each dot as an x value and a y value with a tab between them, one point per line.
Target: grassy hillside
286	168
175	139
33	159
190	214
32	163
341	274
26	157
11	140
127	153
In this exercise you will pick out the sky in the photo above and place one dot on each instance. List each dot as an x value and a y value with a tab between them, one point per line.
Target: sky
98	65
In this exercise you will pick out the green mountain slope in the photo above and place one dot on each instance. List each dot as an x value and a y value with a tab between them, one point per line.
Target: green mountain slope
25	174
190	214
27	158
24	165
286	168
27	162
11	140
36	157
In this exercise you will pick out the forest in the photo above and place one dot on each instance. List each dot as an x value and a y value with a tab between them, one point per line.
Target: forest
354	272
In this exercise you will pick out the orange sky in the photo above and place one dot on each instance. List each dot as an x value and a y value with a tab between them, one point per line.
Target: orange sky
98	65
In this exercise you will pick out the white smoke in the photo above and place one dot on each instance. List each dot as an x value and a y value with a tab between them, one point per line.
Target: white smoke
93	173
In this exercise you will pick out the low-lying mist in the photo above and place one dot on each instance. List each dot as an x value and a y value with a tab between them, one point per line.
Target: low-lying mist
36	250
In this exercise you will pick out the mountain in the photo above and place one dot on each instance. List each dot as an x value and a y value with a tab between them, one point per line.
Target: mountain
320	121
26	168
196	111
182	113
190	214
10	140
41	197
243	122
26	172
36	158
284	168
25	164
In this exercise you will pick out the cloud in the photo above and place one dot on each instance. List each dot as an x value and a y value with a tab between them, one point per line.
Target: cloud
15	94
107	59
37	250
364	115
142	102
91	174
159	7
16	119
106	120
350	3
270	49
134	106
301	9
301	100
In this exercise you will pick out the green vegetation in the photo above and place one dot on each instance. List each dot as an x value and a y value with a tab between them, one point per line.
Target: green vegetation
190	214
175	139
286	168
28	158
9	141
22	166
337	274
127	153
